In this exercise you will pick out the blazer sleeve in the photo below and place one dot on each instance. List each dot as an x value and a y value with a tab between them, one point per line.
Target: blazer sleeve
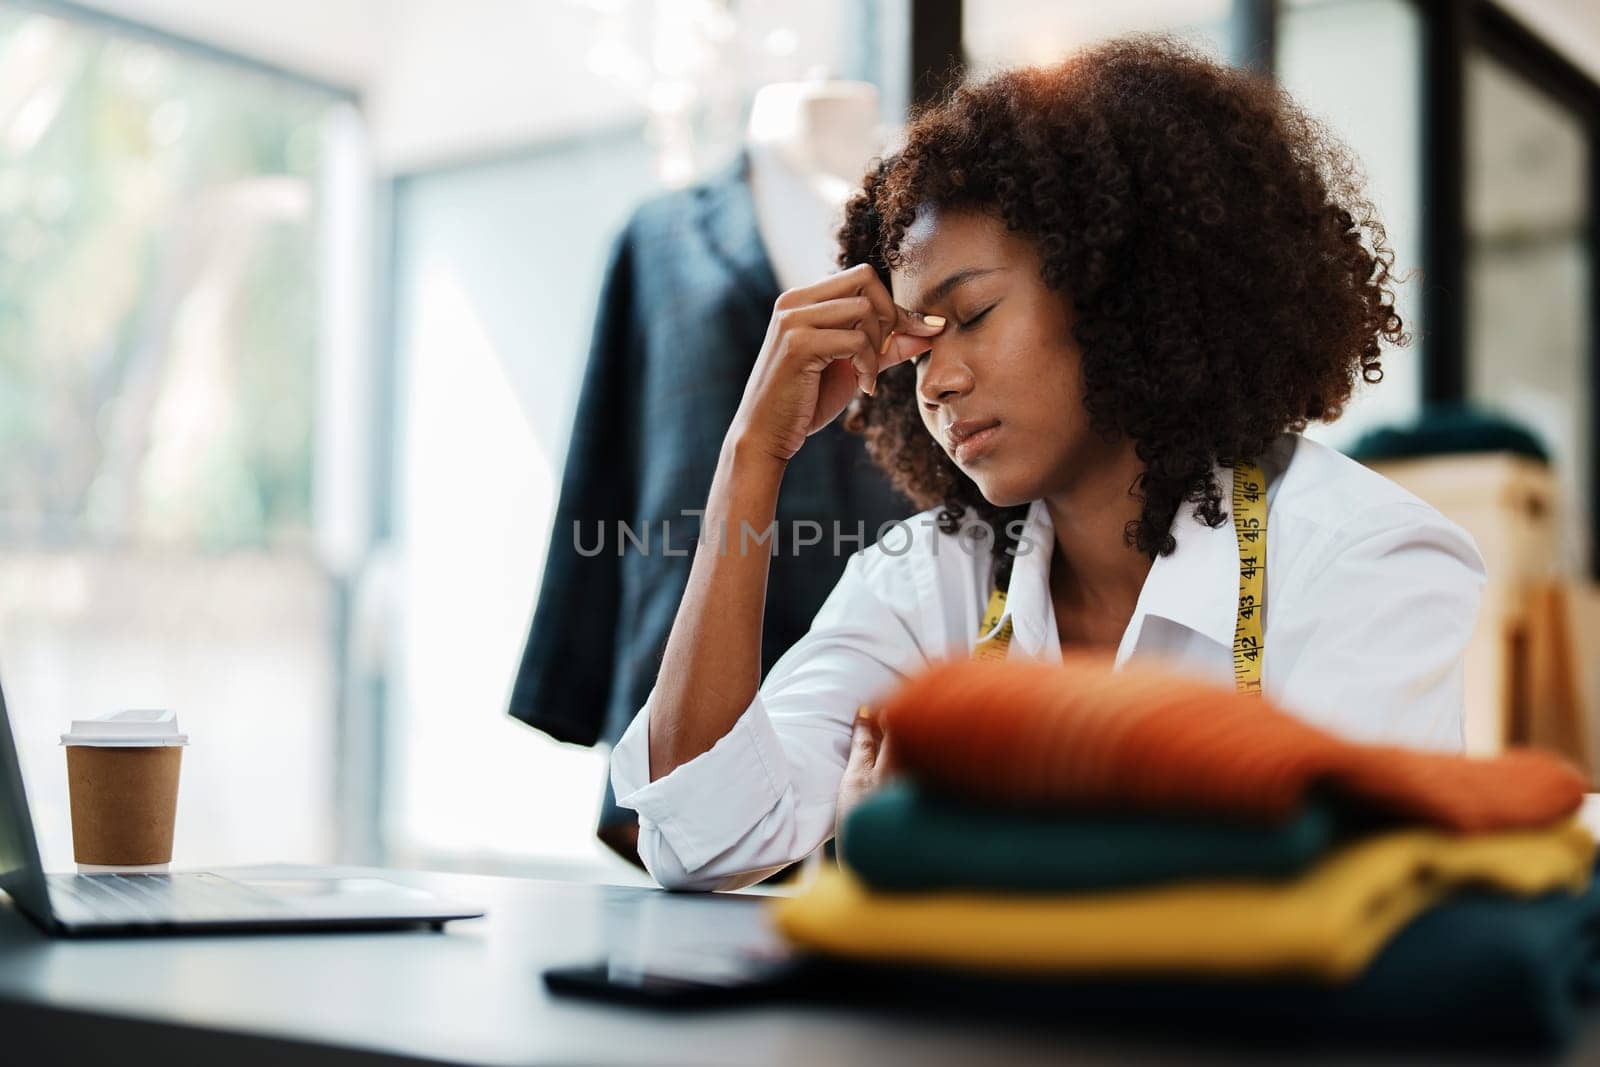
564	681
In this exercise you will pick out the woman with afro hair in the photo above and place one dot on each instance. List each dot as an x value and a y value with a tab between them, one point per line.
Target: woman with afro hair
1076	307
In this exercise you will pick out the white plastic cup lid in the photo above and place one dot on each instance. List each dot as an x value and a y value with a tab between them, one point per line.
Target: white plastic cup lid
134	728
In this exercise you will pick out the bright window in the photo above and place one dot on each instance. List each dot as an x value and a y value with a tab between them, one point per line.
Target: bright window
161	226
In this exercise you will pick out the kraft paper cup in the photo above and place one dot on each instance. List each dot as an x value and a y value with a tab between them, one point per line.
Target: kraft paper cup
122	774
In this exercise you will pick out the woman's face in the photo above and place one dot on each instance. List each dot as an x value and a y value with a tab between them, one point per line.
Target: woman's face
1000	389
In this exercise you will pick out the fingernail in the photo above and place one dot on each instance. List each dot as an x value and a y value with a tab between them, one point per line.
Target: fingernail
933	320
886	339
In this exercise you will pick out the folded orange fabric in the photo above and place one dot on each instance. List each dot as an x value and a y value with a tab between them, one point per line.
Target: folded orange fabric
1037	734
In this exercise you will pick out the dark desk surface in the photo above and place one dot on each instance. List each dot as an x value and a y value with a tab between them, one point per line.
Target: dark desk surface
473	994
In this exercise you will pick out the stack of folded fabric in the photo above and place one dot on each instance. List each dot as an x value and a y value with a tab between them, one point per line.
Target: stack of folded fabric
1136	839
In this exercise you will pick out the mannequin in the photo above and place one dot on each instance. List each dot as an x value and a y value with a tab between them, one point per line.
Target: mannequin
809	143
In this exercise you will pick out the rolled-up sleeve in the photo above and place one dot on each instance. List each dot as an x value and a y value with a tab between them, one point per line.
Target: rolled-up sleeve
764	795
1370	643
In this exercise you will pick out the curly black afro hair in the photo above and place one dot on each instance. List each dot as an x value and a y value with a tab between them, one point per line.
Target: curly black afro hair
1228	277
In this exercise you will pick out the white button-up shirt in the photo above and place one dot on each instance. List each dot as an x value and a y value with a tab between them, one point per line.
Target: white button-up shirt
1371	596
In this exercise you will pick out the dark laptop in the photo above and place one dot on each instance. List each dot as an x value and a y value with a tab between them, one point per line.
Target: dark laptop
292	897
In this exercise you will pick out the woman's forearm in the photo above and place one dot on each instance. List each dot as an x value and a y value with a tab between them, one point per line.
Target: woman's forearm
711	668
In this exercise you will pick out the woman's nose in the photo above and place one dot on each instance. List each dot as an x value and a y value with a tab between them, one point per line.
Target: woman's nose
945	376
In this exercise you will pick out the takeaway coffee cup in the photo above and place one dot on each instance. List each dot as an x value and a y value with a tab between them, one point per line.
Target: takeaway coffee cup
122	774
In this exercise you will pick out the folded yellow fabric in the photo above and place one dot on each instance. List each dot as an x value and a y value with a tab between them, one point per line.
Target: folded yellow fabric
1325	924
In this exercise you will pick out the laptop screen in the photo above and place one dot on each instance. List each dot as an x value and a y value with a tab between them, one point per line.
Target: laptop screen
21	871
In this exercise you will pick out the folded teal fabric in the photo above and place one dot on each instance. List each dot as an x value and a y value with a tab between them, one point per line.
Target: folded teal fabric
905	837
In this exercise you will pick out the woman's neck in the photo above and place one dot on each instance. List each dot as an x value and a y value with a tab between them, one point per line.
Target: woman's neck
1093	571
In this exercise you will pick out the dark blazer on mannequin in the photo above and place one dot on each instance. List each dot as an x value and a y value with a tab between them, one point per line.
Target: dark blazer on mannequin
684	305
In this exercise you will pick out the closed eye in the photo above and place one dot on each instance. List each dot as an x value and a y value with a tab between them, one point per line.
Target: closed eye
969	323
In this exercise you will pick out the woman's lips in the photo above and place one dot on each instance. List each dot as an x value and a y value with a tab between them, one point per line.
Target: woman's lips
976	444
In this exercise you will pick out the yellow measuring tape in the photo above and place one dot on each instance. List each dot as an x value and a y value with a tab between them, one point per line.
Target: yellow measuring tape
1250	528
996	644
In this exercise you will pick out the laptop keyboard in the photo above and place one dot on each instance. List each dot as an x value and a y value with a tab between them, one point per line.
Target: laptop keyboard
151	898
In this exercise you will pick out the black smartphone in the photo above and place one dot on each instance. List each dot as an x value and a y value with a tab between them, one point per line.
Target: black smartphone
683	983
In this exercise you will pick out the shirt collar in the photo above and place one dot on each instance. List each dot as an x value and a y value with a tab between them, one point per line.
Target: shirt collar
1197	586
